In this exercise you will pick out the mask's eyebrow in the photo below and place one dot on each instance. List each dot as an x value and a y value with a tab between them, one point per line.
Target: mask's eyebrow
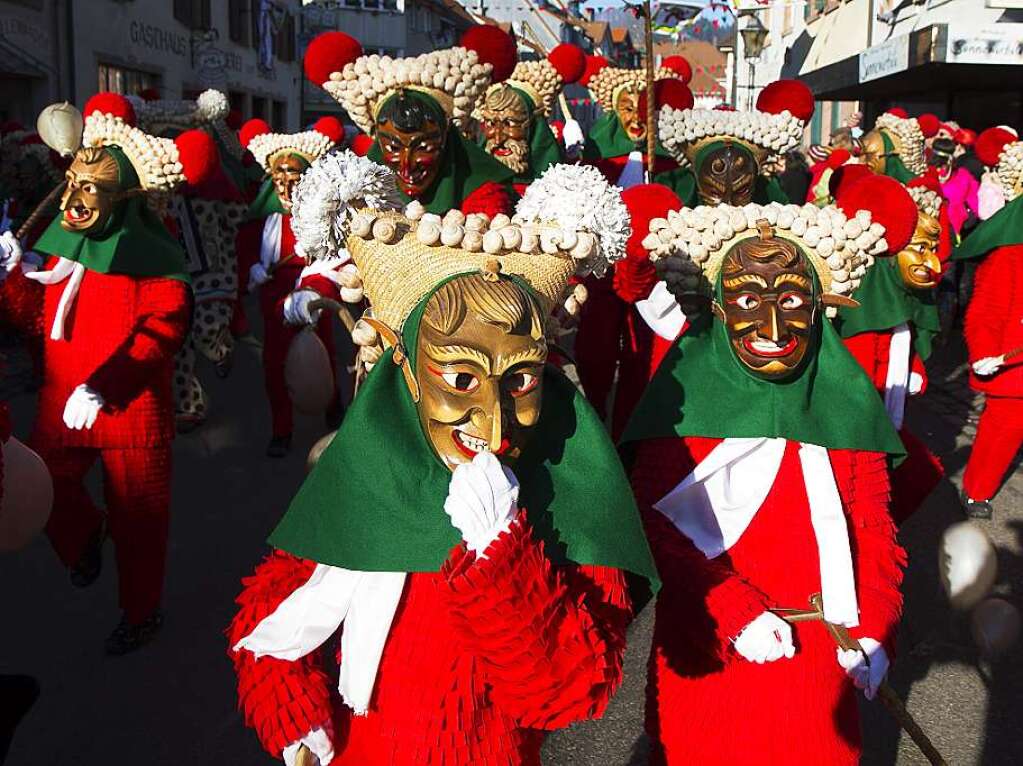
536	354
742	279
794	279
458	355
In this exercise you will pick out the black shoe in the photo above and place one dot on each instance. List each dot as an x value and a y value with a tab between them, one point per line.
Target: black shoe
279	446
976	509
17	696
87	570
127	637
224	366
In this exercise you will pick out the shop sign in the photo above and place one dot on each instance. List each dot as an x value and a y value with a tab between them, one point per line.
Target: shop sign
997	44
887	58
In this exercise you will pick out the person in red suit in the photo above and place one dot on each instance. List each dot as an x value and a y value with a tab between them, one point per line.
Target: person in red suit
994	327
890	333
280	270
466	563
114	304
416	127
759	461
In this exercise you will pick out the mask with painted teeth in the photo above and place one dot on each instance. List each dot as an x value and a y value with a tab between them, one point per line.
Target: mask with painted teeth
92	192
479	364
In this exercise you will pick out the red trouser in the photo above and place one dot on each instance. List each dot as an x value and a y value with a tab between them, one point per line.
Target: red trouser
136	488
999	437
277	337
915	478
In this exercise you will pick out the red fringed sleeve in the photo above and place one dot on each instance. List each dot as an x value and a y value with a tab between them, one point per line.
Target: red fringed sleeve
490	198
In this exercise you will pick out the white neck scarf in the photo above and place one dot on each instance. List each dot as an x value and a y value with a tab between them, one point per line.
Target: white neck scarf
896	384
714	505
270	247
364	601
63	269
662	313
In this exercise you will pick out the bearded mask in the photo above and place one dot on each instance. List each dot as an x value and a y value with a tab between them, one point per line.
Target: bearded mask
93	191
918	263
505	126
480	356
726	174
769	308
412	136
286	171
627	107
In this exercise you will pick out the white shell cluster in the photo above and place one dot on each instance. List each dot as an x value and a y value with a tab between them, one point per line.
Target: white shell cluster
1010	169
156	160
542	79
927	201
776	133
578	199
687	240
211	105
605	83
911	139
309	143
455	72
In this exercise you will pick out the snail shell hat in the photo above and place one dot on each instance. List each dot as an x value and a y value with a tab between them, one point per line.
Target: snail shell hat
266	146
161	164
1002	150
210	107
907	140
776	126
606	82
543	80
456	78
569	221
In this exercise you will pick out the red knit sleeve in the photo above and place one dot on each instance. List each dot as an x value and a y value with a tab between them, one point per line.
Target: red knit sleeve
707	591
550	640
163	313
634	278
281	701
325	286
490	198
21	304
878	559
990	305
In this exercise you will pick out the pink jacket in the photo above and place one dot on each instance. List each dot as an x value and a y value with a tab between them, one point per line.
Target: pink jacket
961	192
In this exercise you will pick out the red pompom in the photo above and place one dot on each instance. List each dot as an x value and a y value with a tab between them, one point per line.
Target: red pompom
328	53
569	61
493	46
898	111
149	94
990	144
198	154
233	119
593	65
331	127
673	93
680	66
787	94
111	103
251	129
965	137
845	176
889	204
838	158
929	124
361	144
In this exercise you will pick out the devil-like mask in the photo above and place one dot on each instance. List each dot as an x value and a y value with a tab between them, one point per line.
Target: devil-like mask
918	262
286	171
92	193
769	308
875	154
727	175
627	107
414	155
504	121
479	364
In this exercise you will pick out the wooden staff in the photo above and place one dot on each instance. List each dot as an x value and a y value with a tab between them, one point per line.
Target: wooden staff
39	210
651	126
338	308
888	696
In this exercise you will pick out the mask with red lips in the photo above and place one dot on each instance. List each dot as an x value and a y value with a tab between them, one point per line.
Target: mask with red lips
480	356
769	307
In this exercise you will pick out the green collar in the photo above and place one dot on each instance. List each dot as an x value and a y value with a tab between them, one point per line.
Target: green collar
266	202
607	138
893	164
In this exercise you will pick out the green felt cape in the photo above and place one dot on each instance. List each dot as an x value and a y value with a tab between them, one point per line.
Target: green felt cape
894	167
886	302
1003	229
465	167
265	203
375	500
703	389
133	241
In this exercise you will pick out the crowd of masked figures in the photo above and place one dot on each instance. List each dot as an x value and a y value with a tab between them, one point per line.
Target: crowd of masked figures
455	576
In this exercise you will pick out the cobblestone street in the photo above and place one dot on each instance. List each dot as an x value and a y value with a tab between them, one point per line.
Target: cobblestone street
173	703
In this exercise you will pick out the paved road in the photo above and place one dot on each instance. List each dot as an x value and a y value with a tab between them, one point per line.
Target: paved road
173	703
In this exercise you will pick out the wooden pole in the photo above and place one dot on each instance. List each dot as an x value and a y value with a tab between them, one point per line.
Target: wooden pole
651	97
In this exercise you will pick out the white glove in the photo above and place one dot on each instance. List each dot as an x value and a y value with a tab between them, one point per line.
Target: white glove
867	677
296	307
10	254
82	408
257	276
572	135
766	639
318	741
988	366
916	383
482	501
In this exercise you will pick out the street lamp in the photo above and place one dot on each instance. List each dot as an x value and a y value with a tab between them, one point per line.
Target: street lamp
754	36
